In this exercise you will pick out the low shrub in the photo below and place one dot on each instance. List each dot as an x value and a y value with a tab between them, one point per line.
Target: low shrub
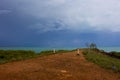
115	54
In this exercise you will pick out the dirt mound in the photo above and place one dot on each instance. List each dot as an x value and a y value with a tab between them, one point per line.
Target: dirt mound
65	66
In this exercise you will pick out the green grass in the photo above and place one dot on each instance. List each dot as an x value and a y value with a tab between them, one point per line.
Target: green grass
15	55
50	52
102	60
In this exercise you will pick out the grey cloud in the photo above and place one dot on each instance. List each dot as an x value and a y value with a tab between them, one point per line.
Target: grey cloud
98	14
5	11
42	27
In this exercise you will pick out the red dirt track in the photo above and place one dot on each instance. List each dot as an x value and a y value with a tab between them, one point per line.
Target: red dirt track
65	66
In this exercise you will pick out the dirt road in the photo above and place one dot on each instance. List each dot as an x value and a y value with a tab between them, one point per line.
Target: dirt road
65	66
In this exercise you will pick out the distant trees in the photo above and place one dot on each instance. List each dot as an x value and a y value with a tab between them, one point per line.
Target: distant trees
91	45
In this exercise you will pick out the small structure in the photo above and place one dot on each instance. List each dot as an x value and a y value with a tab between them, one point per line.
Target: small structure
54	51
78	52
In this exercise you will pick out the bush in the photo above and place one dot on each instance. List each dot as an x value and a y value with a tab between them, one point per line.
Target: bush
115	54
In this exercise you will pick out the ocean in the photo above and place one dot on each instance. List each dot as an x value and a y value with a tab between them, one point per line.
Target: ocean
109	49
39	49
36	49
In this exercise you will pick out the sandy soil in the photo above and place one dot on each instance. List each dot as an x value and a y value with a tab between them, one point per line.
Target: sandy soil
65	66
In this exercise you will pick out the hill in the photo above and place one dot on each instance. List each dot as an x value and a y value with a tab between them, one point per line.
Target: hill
64	66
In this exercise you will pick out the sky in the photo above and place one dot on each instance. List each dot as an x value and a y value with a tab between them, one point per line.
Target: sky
59	23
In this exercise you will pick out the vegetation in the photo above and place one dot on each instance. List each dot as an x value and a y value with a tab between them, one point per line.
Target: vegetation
102	60
15	55
50	52
91	45
115	54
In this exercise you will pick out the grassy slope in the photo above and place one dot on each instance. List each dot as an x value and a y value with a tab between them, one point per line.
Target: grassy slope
103	60
16	55
100	59
50	52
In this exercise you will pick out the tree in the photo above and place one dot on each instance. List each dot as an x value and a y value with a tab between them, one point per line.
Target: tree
93	46
90	46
